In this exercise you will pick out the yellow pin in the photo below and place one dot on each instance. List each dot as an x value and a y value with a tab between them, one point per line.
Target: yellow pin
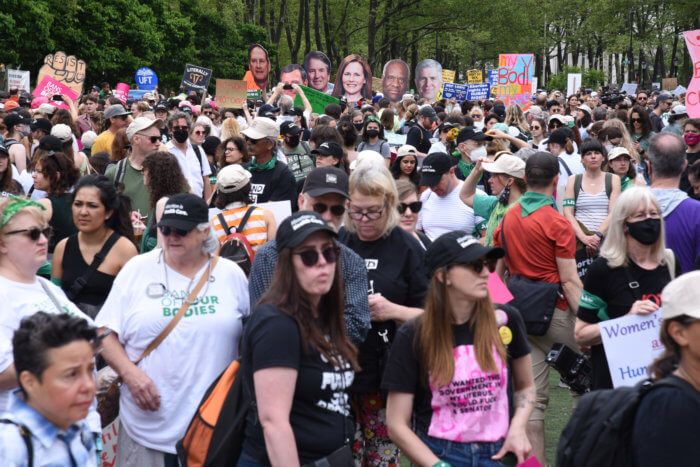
506	335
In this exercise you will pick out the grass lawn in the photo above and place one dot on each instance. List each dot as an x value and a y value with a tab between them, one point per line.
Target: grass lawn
558	414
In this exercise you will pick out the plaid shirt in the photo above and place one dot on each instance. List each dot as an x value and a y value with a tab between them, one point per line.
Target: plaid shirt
354	273
51	446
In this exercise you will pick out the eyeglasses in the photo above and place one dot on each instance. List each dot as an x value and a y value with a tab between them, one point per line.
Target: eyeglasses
479	264
252	141
336	209
642	98
370	215
476	115
208	113
200	132
179	128
635	120
229	149
34	233
167	231
310	257
123	117
415	207
152	139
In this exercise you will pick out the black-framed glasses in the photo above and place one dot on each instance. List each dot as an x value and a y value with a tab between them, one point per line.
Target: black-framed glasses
230	149
152	139
415	207
635	120
370	215
34	233
336	209
479	265
310	257
167	231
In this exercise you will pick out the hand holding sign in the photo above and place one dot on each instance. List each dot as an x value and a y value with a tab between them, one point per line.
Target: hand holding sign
67	70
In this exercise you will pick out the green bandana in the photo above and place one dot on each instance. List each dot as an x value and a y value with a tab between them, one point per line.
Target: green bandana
269	165
531	202
626	182
494	219
14	206
594	302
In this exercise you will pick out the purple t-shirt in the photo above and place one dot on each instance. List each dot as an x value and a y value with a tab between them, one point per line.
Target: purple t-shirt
683	232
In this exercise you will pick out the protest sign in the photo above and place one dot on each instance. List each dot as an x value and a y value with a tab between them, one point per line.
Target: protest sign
669	84
474	76
679	90
656	86
493	77
573	82
629	88
18	79
631	344
692	97
448	76
318	100
231	93
146	79
454	91
534	85
110	434
121	92
136	94
67	70
195	78
254	94
395	139
478	91
49	86
514	82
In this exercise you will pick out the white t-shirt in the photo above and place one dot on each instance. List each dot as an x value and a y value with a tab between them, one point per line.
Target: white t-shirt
442	214
573	162
141	303
191	167
20	300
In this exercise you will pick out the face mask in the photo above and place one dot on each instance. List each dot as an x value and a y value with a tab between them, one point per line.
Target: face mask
372	133
293	141
479	125
478	153
181	136
358	126
691	139
645	232
25	131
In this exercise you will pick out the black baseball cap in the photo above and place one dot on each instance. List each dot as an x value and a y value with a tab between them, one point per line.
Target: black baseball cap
290	128
50	143
268	108
469	132
457	247
296	228
559	136
434	167
15	119
184	211
3	149
297	111
43	124
324	180
428	111
329	148
161	107
542	166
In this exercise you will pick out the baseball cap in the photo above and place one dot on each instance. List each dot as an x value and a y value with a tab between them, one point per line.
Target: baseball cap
618	151
46	108
376	98
3	149
297	111
184	211
290	128
15	119
585	108
262	127
329	148
559	136
50	143
41	124
149	97
560	118
10	105
324	180
368	157
62	132
140	124
434	167
499	110
541	166
663	97
161	107
457	247
678	110
115	110
468	132
296	228
682	297
232	178
506	164
428	111
267	108
407	149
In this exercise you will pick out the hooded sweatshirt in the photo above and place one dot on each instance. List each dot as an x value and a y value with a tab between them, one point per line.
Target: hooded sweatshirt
682	220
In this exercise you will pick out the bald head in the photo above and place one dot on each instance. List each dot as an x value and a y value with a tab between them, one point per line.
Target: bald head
667	155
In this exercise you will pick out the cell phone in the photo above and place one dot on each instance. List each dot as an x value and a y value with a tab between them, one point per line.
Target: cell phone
57	97
287	86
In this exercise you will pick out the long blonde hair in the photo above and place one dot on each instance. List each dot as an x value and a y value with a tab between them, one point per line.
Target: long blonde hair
515	117
230	128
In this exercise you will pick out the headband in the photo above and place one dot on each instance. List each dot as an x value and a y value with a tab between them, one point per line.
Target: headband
14	206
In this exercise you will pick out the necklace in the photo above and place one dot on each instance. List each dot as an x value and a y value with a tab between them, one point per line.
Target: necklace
189	286
686	376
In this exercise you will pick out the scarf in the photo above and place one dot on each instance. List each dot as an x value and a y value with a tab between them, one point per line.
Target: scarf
531	202
269	165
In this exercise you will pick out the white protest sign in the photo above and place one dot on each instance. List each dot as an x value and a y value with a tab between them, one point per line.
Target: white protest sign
18	79
679	90
573	82
395	139
629	88
631	344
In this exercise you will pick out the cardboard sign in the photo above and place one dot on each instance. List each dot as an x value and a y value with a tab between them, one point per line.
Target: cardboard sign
196	78
669	84
629	88
631	344
67	70
121	92
18	79
146	79
109	443
692	97
231	93
454	91
49	86
573	82
514	79
474	76
318	100
478	91
448	76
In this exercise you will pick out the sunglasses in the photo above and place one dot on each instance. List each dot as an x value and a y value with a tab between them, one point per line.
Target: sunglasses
636	120
208	113
414	207
179	128
554	125
310	257
252	141
167	231
337	209
123	117
152	139
34	233
230	149
479	264
536	127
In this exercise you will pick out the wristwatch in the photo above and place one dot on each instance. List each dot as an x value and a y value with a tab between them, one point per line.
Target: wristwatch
599	234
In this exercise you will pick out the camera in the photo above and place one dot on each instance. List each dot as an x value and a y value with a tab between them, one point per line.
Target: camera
287	87
57	97
575	369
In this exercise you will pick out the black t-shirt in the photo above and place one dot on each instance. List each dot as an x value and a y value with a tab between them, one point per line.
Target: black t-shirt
277	184
320	406
419	138
395	270
685	183
666	427
612	286
474	407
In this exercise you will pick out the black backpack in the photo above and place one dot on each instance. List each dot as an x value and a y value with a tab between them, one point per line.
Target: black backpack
236	246
599	433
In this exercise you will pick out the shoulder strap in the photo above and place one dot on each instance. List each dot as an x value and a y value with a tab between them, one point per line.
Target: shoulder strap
673	382
608	184
224	224
199	158
181	312
360	146
578	179
119	173
566	166
80	283
632	284
306	147
26	435
51	295
245	219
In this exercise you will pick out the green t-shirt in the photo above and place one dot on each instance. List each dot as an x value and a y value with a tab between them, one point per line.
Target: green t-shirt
133	188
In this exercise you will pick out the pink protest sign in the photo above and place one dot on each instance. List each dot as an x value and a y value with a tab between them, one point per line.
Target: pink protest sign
498	290
122	92
49	86
692	95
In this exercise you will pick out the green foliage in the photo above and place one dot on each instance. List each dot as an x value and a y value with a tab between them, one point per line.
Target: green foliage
591	78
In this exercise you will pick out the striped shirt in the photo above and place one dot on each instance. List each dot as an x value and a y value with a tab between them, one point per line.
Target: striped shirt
255	229
591	210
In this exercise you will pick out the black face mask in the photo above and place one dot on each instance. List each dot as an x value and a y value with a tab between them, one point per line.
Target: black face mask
181	135
645	232
358	126
293	141
372	133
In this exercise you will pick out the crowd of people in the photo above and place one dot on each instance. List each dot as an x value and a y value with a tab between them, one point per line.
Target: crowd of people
363	317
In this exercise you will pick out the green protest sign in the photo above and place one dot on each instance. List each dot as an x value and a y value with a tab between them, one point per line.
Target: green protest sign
318	100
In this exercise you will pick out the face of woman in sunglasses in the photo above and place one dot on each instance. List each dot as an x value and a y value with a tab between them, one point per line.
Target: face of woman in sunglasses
408	217
464	283
198	134
26	254
315	280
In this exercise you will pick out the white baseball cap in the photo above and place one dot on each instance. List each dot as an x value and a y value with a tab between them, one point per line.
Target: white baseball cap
232	178
682	297
506	164
618	151
140	124
262	127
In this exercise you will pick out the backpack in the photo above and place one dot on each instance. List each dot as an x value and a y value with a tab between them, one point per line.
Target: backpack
599	433
215	434
236	246
26	436
578	179
119	173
